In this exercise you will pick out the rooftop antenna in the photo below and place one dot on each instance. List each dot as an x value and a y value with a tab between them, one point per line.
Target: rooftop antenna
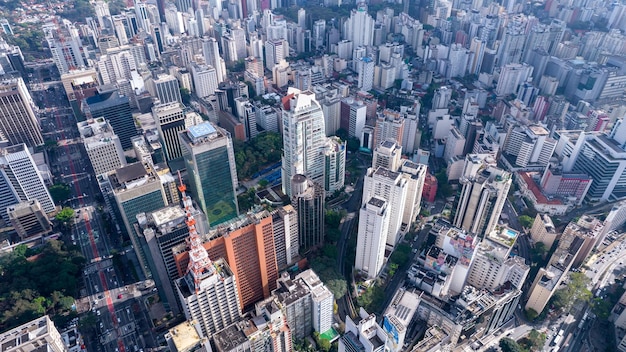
199	261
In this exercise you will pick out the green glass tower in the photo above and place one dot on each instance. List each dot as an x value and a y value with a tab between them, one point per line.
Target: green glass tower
210	162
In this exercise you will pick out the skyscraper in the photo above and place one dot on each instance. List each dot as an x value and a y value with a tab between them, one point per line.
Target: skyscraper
102	145
365	71
208	290
210	161
18	123
334	165
205	80
373	228
483	193
392	187
359	28
136	188
170	120
303	138
247	245
353	116
19	172
308	200
165	88
115	108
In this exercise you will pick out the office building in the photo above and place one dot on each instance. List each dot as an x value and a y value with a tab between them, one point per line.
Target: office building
170	120
18	123
135	188
165	88
308	201
21	179
103	146
276	50
205	80
303	138
374	221
366	335
334	165
162	230
393	188
207	289
247	245
28	219
115	109
36	335
210	162
482	197
211	298
286	241
353	115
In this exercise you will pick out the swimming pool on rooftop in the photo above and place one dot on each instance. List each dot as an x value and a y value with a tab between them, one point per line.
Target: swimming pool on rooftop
510	233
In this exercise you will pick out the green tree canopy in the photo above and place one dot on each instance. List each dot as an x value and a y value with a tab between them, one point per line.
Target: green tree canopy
443	186
526	221
252	156
44	284
509	345
575	291
65	216
59	192
401	255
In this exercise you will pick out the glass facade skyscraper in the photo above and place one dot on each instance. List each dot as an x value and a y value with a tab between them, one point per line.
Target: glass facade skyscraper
210	162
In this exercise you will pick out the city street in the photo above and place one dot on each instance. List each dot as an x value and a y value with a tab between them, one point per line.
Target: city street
122	321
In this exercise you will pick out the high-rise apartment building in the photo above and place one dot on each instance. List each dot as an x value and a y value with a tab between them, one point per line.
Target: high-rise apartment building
543	230
211	52
353	115
392	187
372	234
115	108
303	138
511	76
210	162
482	197
275	51
359	28
308	201
18	123
334	164
170	120
367	334
21	178
247	245
387	154
286	241
415	175
65	46
389	126
365	72
530	145
38	334
103	146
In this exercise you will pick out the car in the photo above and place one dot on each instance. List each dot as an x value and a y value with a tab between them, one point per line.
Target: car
98	313
119	296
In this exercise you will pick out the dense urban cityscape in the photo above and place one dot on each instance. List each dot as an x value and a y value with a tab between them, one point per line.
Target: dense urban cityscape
274	176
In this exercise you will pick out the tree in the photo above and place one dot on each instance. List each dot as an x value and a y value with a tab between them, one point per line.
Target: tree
575	291
443	186
601	308
185	95
59	192
338	287
509	345
531	314
539	252
65	216
400	255
372	299
536	339
526	221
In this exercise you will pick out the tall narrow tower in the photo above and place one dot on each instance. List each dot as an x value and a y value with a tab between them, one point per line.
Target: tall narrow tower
208	291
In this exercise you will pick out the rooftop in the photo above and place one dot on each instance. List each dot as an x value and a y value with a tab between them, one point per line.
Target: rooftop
377	202
184	336
130	172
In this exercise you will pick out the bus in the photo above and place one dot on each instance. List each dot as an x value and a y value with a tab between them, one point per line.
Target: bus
558	338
